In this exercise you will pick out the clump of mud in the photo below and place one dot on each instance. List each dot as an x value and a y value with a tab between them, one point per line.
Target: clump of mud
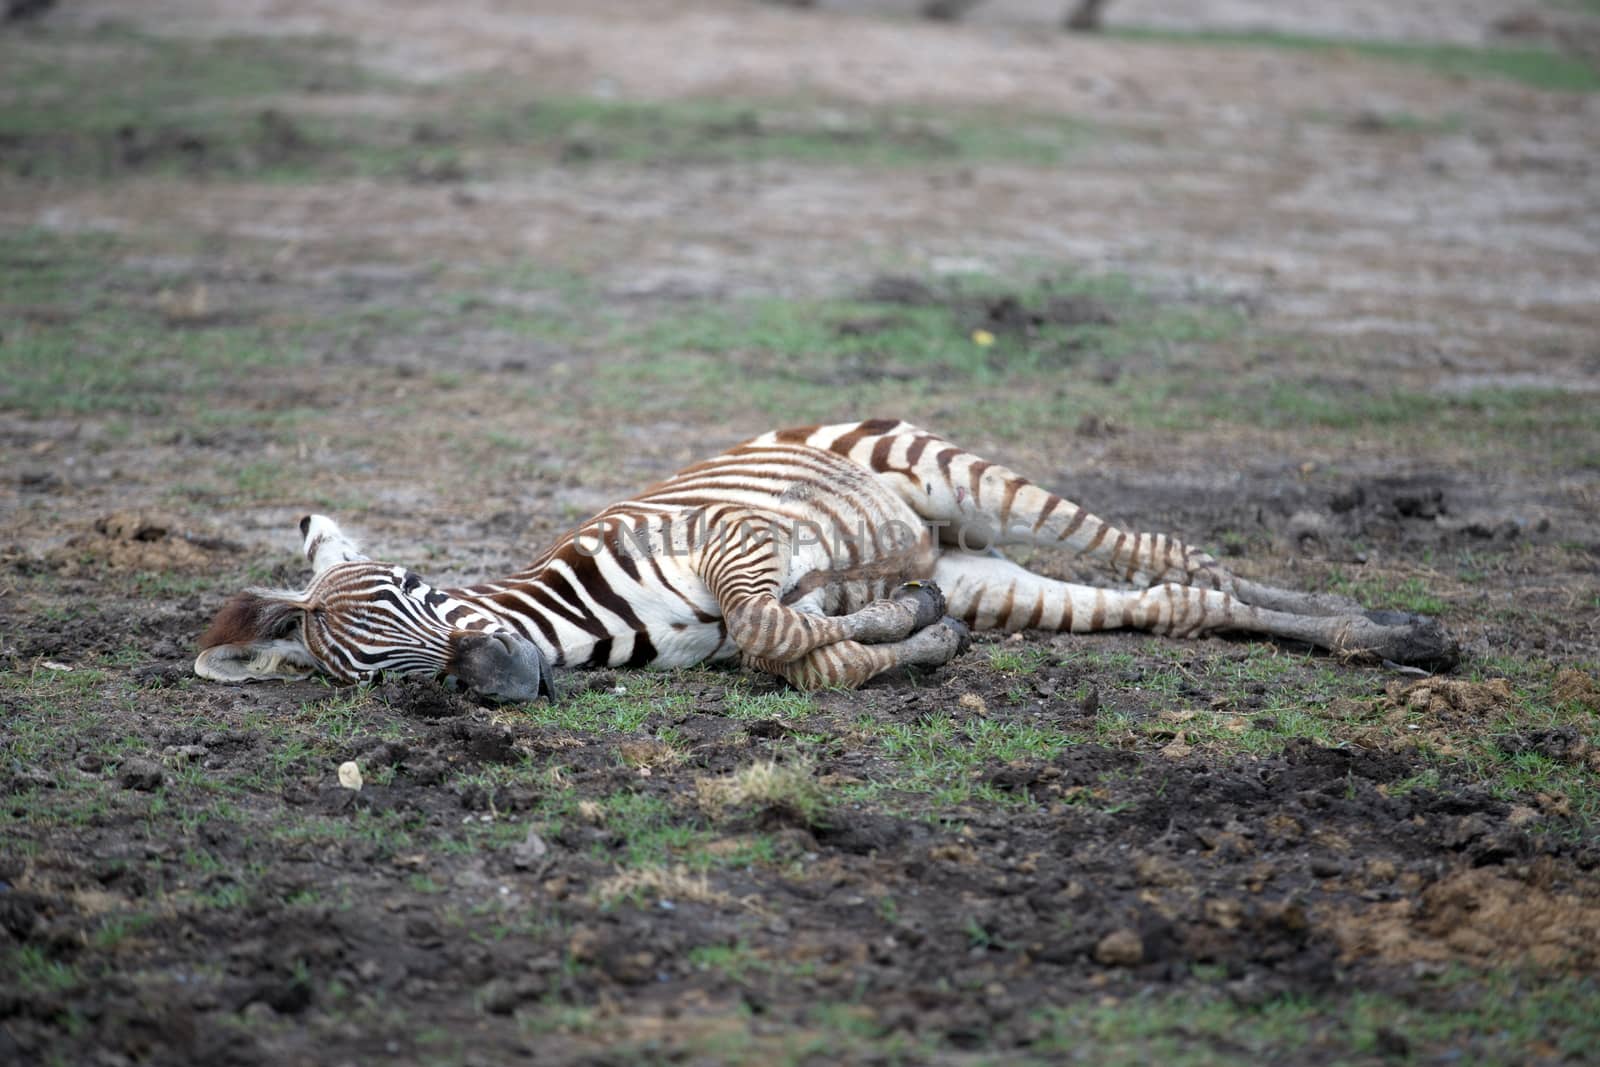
137	540
1481	915
1453	701
1576	687
423	698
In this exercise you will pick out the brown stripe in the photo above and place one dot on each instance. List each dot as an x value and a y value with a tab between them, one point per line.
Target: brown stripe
848	440
795	435
1012	485
880	453
1004	618
1116	548
975	477
1097	618
1078	518
918	444
943	459
1094	542
1037	615
1049	509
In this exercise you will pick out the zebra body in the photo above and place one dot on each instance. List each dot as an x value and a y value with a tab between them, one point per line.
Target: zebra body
803	517
823	554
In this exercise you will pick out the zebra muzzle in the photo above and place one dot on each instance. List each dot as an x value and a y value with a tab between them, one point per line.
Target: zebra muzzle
503	666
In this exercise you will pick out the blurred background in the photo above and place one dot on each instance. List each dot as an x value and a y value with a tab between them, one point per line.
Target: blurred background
496	258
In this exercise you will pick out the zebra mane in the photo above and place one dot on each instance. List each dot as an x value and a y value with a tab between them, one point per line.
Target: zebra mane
254	615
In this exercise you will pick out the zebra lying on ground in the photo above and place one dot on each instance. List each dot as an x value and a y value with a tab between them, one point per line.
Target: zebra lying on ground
825	555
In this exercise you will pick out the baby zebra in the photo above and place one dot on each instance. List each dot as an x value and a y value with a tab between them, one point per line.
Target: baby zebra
824	554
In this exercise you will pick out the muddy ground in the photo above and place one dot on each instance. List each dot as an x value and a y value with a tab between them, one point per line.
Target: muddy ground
460	275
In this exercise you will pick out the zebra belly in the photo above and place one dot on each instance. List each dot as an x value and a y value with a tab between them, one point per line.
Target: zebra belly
687	644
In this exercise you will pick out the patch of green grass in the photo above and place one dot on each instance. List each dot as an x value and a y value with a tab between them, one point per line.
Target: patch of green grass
782	704
1491	1018
1536	67
115	931
981	328
607	710
1380	592
108	100
128	360
737	962
943	760
1022	660
1403	122
105	102
1532	424
580	130
34	971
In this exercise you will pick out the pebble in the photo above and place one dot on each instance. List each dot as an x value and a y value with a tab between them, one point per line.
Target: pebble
1120	948
530	851
142	774
350	775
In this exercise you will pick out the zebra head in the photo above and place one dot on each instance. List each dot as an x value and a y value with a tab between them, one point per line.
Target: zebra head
359	618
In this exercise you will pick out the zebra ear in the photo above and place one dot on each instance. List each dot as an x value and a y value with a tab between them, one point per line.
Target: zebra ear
250	640
261	661
326	545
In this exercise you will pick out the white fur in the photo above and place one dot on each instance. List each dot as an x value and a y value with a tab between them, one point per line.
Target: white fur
327	546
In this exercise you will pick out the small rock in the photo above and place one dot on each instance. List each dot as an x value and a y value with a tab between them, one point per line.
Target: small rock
1309	532
1120	948
142	774
184	754
973	703
530	851
350	775
1160	871
1324	867
1392	1044
498	997
25	778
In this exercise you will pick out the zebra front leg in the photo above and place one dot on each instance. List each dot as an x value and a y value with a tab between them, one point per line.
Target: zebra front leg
746	574
767	630
991	593
849	664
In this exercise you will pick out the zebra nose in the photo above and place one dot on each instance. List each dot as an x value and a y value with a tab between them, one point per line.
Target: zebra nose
503	666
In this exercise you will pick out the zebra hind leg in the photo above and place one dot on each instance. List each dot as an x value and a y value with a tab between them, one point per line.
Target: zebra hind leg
997	594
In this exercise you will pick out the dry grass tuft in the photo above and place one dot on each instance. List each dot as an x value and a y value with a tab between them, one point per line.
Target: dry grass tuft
790	787
676	883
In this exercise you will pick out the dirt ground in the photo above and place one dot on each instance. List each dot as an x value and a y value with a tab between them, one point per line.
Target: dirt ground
460	274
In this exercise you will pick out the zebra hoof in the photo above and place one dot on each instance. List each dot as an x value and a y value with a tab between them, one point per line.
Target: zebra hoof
927	600
962	632
1411	640
1428	645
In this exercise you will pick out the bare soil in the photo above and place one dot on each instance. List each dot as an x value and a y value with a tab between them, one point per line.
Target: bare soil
182	879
